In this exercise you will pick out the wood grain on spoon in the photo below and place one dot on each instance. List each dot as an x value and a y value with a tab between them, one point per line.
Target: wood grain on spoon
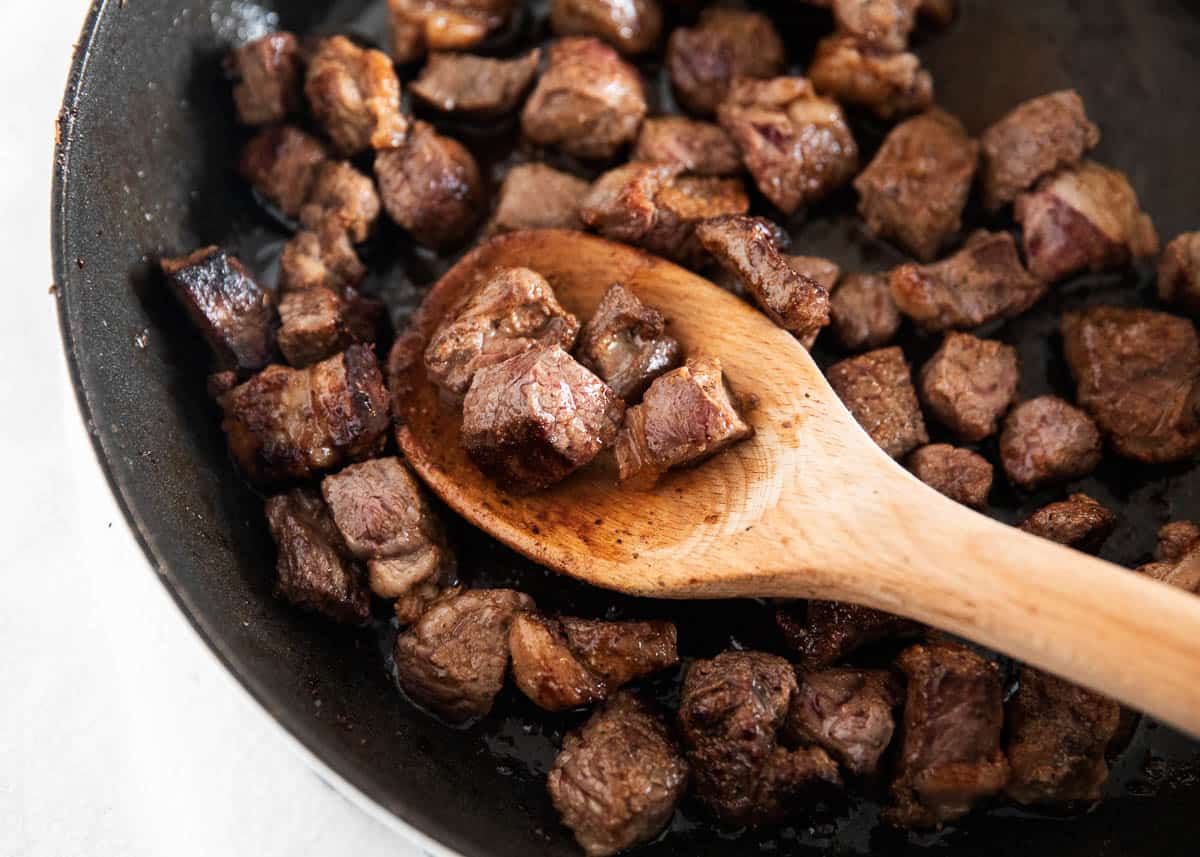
810	507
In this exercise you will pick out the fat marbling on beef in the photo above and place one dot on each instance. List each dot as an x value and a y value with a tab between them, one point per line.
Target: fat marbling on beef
320	258
269	71
1179	273
960	474
846	712
1048	440
443	25
889	83
1078	522
475	86
689	145
968	384
822	633
625	343
631	26
862	313
355	95
704	60
535	196
877	389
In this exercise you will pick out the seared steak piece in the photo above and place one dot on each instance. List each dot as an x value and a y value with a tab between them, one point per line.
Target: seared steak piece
950	749
877	388
453	659
318	322
795	143
355	95
619	652
268	71
915	188
341	194
430	186
323	257
731	711
291	423
685	416
588	102
443	25
630	26
513	311
883	23
889	83
825	272
535	418
1177	556
745	247
231	310
1137	372
1047	440
1033	140
476	86
625	343
1057	736
535	196
962	475
687	145
848	713
969	384
1176	540
281	163
862	313
982	282
1179	273
313	572
825	632
617	779
1078	522
1085	217
703	61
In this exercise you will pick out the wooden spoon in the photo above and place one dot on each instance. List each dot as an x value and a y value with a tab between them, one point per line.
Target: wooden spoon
810	507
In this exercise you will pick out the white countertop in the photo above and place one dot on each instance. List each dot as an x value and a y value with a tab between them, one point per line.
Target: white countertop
120	734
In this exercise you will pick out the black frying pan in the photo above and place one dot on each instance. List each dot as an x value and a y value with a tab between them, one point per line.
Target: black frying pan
143	167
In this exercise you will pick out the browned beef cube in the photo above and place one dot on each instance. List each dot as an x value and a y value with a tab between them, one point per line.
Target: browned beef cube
282	162
938	12
318	322
513	311
703	61
862	313
687	145
476	86
1078	522
1033	140
962	475
1057	736
731	711
630	26
686	416
825	632
969	384
889	83
219	383
847	713
795	144
535	418
825	272
1137	372
323	257
617	779
982	282
950	750
1179	273
884	23
588	102
877	388
1085	217
430	186
535	196
619	652
745	247
625	343
313	573
443	25
343	195
290	423
453	660
231	310
1047	440
915	188
1183	573
1176	540
355	95
268	72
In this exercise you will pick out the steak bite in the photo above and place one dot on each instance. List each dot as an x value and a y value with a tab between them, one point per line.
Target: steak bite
704	60
231	310
430	186
960	474
617	779
848	713
341	194
1033	140
795	144
588	102
625	343
877	388
475	86
630	26
950	748
355	95
687	145
1057	736
443	25
915	188
1137	372
731	712
1177	556
291	423
281	163
268	71
318	322
862	313
320	258
535	418
1176	540
969	384
1083	218
982	282
889	83
883	23
825	272
619	652
822	633
453	659
313	572
535	196
1047	440
509	313
1078	522
1179	274
686	416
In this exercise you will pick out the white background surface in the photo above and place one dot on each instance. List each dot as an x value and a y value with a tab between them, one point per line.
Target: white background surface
120	734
